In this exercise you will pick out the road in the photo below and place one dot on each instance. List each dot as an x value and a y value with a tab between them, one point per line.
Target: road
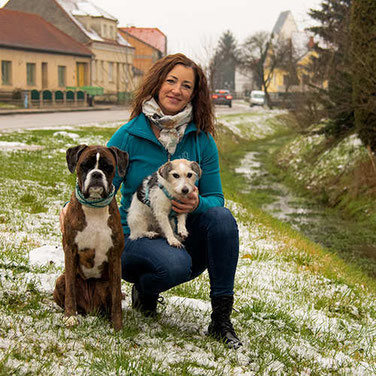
42	120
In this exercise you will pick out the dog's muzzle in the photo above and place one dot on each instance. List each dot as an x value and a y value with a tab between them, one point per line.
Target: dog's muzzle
96	185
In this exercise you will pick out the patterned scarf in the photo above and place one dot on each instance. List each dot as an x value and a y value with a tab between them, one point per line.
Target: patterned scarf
172	127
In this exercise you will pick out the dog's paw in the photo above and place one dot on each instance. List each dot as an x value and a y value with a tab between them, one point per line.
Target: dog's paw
151	234
174	242
70	321
183	233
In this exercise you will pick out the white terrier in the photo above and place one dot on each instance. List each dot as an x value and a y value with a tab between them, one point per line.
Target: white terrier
150	213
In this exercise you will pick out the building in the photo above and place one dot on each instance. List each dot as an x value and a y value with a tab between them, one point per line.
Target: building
301	46
36	56
285	26
150	45
111	66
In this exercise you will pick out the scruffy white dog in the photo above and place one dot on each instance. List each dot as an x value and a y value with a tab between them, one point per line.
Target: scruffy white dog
150	213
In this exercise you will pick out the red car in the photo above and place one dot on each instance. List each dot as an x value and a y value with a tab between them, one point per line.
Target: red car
222	97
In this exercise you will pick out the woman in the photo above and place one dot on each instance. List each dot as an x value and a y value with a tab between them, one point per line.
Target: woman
172	118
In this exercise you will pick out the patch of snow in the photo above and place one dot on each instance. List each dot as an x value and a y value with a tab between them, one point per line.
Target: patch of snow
66	134
11	146
47	255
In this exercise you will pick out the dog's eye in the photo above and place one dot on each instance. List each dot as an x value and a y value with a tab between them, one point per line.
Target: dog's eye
106	167
85	166
176	176
189	175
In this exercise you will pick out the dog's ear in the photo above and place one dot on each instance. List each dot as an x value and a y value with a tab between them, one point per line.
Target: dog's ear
165	169
121	158
196	168
73	155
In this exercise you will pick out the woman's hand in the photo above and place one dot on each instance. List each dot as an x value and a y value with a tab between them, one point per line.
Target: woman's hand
62	216
188	204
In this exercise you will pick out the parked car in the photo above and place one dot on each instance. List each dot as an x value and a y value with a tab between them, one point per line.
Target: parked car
257	98
222	97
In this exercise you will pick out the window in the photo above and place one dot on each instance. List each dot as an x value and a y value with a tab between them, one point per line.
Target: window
30	74
61	72
110	72
104	31
6	72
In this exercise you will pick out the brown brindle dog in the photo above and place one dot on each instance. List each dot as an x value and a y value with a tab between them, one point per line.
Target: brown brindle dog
93	237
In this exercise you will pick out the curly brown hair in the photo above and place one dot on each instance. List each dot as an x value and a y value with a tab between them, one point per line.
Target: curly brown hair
203	115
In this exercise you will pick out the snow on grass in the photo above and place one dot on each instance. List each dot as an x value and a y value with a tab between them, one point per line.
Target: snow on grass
290	319
12	146
332	163
253	124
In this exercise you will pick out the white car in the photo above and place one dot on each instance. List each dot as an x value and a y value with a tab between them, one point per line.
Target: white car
257	98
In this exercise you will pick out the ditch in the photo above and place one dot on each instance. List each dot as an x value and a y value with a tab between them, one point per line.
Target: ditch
352	240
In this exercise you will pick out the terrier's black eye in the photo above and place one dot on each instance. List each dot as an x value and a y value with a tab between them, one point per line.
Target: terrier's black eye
176	176
189	175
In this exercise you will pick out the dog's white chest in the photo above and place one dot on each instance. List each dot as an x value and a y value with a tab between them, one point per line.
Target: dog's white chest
96	235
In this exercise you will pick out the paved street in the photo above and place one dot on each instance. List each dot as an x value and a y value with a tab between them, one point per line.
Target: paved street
23	121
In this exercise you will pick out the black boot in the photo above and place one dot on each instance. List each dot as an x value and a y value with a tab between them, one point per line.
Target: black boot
221	327
146	304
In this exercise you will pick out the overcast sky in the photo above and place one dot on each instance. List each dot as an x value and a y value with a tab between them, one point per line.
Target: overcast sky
193	27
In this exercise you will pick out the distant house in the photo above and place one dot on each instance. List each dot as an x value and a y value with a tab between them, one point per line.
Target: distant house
286	31
35	55
285	26
111	67
150	45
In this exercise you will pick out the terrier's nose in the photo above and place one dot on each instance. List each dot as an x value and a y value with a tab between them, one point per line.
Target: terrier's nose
185	190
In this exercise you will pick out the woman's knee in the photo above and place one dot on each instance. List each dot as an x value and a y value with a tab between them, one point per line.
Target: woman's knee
155	258
219	219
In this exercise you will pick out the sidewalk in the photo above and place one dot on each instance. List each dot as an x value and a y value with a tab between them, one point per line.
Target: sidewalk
29	111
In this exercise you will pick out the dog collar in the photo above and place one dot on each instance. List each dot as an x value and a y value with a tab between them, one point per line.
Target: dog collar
94	202
173	213
165	191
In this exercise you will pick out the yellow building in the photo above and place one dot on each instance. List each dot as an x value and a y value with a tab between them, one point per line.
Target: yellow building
112	63
285	32
34	55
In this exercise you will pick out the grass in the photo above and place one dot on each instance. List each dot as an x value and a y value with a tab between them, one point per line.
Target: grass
300	310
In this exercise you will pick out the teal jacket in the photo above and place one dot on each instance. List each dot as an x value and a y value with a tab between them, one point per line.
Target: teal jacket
146	155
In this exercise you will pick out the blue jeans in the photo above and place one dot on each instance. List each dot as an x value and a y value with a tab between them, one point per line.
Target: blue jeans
213	243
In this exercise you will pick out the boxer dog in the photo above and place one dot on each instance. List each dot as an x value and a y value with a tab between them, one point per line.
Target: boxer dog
150	213
93	237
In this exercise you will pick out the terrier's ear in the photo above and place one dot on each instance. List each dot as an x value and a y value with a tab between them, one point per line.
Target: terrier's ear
196	168
73	155
165	169
121	158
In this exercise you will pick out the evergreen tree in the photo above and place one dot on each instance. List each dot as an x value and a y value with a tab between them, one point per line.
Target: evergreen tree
333	64
363	32
224	63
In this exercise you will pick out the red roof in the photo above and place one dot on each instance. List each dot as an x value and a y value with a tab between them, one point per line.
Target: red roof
30	31
152	36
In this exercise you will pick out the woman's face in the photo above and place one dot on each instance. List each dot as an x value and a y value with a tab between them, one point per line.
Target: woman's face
176	91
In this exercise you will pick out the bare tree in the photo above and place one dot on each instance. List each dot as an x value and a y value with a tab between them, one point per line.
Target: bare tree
262	55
